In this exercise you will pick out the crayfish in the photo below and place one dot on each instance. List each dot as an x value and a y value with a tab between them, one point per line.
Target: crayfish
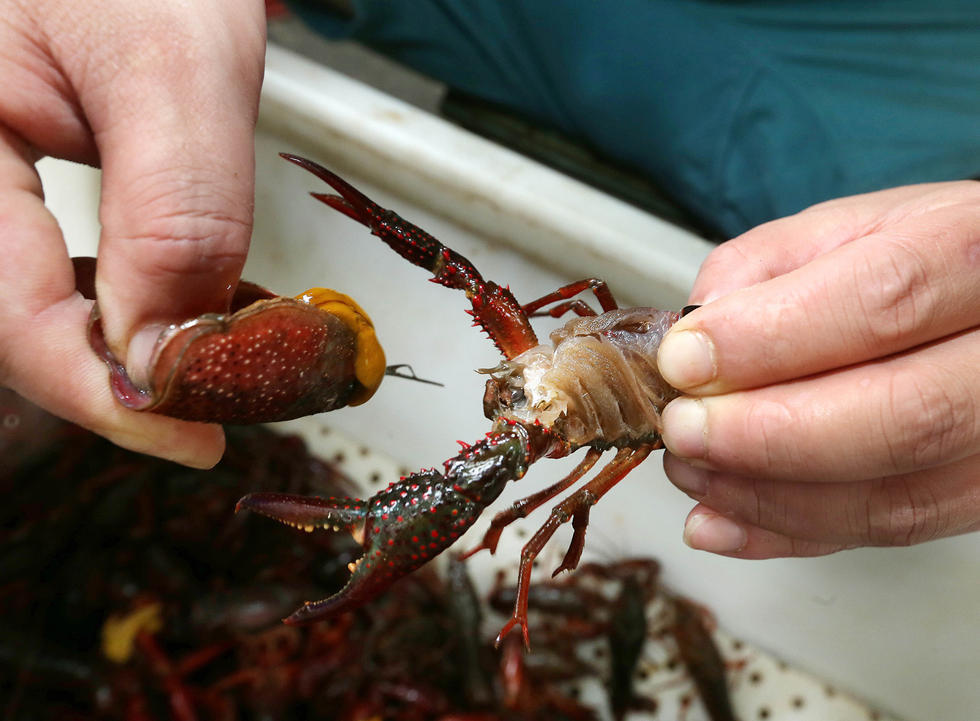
596	386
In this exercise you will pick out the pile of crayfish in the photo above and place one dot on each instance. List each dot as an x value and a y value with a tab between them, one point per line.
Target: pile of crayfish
128	593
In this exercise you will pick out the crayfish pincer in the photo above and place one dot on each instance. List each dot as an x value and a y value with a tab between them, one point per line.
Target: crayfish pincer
596	385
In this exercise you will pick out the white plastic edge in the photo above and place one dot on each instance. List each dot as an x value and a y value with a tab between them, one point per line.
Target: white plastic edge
485	187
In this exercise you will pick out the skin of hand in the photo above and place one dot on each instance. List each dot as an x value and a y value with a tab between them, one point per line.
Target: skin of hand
163	95
833	375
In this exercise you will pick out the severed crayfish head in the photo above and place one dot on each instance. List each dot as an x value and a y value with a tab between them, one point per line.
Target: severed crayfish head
272	358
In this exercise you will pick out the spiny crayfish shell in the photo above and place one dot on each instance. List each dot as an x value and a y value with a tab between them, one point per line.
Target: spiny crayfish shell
272	358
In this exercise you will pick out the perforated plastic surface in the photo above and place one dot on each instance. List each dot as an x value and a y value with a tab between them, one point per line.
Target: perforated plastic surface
762	687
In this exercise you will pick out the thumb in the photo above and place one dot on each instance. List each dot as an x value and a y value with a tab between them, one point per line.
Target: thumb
175	138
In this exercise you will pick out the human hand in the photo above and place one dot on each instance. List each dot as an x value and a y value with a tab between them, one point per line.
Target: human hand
838	403
164	96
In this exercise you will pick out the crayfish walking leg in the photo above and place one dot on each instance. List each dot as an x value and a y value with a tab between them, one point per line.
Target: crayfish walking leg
576	507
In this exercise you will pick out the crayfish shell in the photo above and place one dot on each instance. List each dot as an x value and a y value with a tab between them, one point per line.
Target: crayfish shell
273	359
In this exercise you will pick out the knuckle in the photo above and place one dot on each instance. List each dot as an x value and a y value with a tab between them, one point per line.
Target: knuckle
929	419
965	192
172	49
763	505
723	258
896	297
805	548
184	217
770	424
778	326
211	231
6	376
902	513
166	32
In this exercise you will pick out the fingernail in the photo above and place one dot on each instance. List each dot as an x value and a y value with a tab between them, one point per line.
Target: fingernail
685	422
140	352
707	531
686	359
693	481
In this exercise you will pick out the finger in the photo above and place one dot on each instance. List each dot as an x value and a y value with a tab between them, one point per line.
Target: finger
36	102
888	291
755	518
174	125
900	414
44	352
708	530
54	368
779	246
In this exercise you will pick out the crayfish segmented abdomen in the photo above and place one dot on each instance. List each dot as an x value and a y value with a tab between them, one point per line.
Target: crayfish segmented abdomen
597	385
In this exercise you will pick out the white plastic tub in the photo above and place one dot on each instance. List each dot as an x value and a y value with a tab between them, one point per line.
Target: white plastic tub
899	627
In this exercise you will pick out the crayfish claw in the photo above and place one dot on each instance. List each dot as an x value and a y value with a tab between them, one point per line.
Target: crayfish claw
405	525
494	308
339	204
270	358
350	201
309	513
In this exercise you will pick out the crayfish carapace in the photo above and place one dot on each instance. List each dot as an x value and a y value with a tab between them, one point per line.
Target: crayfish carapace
596	385
270	358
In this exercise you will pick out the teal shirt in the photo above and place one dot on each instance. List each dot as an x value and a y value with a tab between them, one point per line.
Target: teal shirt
741	111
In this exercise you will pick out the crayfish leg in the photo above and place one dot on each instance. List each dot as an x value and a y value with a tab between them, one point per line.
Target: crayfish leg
525	506
577	504
573	554
580	307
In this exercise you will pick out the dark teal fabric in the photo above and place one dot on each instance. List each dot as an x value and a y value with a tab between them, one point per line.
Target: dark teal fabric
742	111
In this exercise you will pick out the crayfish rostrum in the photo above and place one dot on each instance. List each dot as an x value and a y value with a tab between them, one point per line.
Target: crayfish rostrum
596	385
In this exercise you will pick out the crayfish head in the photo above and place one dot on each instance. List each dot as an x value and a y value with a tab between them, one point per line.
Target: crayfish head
505	389
523	389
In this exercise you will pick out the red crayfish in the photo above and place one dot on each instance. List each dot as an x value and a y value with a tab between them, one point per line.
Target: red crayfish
596	386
